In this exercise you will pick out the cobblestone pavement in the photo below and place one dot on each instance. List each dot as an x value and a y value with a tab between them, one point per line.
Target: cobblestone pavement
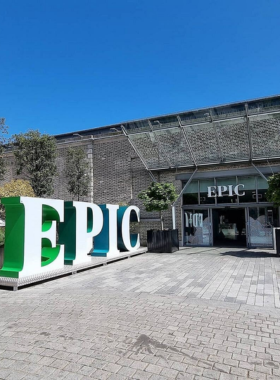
200	313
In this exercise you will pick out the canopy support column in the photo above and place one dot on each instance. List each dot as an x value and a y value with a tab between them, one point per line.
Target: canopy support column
160	150
217	136
179	197
187	140
260	173
138	154
249	133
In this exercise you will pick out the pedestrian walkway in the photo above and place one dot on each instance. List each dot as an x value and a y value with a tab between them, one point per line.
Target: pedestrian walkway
200	313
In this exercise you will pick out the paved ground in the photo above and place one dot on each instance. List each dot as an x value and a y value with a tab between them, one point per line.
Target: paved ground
200	313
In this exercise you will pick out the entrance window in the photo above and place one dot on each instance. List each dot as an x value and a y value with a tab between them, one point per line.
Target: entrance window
227	186
261	221
203	187
249	189
190	197
228	190
197	227
262	189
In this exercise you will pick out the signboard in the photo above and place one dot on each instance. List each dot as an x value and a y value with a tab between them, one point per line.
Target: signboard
229	190
193	220
43	235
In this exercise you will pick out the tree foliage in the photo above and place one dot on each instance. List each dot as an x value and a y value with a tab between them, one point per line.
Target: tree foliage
3	141
35	156
77	172
273	192
158	196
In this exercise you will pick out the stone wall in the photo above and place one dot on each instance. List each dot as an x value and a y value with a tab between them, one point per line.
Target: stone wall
119	176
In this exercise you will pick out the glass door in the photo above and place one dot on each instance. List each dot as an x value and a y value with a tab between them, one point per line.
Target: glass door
197	227
229	227
260	226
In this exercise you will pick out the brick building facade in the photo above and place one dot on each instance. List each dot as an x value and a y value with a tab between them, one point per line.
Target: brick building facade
234	143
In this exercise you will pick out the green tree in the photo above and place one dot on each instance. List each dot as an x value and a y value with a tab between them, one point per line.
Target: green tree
35	155
77	172
3	141
158	197
273	192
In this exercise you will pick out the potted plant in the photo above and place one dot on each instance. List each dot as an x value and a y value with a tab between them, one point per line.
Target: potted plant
157	197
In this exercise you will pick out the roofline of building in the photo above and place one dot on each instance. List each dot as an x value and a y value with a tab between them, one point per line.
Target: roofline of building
87	132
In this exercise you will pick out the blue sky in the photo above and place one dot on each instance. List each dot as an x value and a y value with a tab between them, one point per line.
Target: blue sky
68	65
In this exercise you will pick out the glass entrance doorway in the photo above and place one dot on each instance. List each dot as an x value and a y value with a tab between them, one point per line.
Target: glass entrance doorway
197	227
229	227
261	222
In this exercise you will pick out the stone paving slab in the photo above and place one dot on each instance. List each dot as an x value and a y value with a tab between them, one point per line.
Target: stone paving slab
94	261
134	319
247	277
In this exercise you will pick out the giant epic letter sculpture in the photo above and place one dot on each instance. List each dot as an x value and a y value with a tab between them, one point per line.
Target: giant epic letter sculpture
33	224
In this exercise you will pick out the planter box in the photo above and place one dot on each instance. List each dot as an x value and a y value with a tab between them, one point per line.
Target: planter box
166	241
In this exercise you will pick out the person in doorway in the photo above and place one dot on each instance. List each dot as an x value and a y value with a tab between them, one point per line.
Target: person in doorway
240	224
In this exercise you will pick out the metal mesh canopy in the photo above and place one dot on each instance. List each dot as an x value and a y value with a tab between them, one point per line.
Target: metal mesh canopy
233	133
237	132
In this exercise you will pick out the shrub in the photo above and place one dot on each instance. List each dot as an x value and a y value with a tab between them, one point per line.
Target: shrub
15	188
2	235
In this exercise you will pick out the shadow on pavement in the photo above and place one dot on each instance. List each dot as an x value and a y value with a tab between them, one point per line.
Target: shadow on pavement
248	254
242	253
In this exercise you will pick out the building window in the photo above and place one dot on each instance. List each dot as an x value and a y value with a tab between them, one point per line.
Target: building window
203	186
262	189
249	189
226	188
190	197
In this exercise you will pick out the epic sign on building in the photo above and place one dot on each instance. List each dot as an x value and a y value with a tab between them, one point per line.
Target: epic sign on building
230	190
43	235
